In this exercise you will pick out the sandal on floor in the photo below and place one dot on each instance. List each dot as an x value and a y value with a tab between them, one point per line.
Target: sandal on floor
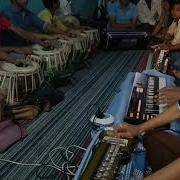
27	112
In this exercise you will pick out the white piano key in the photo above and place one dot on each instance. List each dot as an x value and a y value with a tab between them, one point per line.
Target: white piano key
162	82
139	106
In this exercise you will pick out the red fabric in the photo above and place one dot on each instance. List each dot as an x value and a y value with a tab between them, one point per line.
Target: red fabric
4	23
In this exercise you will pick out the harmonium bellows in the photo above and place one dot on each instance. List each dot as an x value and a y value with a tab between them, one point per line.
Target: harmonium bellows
127	34
142	106
128	38
160	60
109	155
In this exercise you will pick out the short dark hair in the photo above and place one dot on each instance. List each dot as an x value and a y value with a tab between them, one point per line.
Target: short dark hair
49	3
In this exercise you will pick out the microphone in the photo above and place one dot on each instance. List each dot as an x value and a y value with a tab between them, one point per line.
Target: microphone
102	119
99	114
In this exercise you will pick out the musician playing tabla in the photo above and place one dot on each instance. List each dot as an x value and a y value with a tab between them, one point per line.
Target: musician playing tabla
4	51
22	18
6	25
48	15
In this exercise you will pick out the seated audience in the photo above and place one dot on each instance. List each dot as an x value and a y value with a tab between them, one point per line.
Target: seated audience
172	37
6	25
149	13
4	51
123	16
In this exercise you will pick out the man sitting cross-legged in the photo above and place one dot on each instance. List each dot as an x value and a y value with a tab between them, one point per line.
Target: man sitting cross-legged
123	16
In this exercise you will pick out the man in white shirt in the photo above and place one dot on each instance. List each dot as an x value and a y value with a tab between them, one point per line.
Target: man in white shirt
174	31
149	12
172	38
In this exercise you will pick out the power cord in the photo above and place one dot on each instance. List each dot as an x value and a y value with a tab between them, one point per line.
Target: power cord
64	168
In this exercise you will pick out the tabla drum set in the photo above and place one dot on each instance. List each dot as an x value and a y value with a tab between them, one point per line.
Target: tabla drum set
18	81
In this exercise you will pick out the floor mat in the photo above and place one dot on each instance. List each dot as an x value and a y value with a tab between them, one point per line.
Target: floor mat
68	123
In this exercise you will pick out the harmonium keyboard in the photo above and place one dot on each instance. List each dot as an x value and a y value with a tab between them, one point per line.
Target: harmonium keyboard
160	60
133	34
110	154
142	106
114	35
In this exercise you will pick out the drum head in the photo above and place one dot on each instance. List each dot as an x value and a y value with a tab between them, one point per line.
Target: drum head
37	47
12	68
41	51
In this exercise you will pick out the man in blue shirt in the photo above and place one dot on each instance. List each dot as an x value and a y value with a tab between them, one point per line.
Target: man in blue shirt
123	16
25	19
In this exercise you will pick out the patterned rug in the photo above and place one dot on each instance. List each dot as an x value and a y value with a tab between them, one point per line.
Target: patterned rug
68	123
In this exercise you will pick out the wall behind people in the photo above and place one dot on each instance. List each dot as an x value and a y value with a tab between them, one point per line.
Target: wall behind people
81	7
84	7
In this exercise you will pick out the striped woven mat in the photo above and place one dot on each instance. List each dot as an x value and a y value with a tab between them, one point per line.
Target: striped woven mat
68	123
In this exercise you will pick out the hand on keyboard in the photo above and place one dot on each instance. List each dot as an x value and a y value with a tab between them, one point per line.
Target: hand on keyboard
126	131
170	95
160	99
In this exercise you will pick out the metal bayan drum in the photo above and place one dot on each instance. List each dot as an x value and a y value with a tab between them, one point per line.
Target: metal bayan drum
49	59
18	81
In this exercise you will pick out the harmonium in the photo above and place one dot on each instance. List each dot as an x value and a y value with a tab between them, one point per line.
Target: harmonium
107	158
160	60
142	105
127	38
